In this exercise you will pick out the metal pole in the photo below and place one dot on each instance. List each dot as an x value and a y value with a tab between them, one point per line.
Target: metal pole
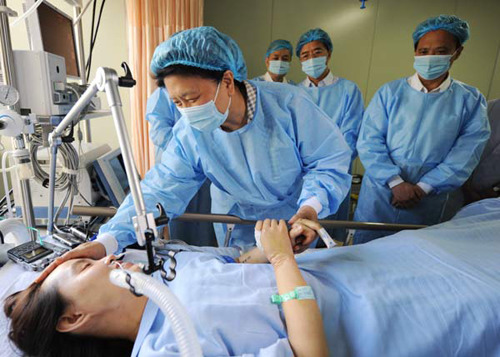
372	226
7	55
52	184
93	211
75	111
55	141
107	80
221	218
8	73
81	63
123	139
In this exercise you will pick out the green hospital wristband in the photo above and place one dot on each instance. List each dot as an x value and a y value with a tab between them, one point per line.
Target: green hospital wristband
299	293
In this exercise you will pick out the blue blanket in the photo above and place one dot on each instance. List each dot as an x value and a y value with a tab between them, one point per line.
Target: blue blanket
432	292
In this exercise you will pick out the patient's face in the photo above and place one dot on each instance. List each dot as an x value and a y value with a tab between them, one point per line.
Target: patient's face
85	282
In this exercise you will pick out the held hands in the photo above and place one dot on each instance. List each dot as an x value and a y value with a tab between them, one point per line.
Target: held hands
92	250
302	235
275	241
406	195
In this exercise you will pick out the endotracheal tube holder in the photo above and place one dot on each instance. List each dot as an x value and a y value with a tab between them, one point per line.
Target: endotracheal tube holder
107	80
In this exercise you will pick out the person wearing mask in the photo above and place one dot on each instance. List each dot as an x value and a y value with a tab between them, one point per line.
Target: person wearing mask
80	313
253	140
422	136
338	97
278	60
162	115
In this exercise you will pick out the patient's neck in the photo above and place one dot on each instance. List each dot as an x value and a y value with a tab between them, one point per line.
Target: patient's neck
123	320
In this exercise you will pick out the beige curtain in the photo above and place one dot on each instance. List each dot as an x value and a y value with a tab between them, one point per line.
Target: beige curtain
150	22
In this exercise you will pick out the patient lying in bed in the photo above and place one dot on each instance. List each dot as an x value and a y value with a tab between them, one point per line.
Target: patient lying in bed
429	292
76	308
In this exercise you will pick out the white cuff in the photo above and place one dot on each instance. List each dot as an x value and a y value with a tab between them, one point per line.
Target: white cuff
314	203
109	242
395	180
426	187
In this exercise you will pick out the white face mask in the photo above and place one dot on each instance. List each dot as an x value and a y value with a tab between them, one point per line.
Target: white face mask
432	66
279	67
206	117
314	67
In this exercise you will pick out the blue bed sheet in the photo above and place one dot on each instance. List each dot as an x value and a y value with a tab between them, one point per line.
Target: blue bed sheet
432	292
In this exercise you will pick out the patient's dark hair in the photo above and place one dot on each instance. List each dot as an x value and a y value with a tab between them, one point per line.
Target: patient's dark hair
189	71
34	315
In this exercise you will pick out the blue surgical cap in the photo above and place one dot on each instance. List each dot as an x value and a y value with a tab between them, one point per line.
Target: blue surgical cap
277	45
454	25
314	35
202	47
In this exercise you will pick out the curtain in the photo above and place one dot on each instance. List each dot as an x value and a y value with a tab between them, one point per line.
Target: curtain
150	22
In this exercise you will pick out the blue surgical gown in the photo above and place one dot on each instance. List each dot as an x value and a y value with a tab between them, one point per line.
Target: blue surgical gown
162	114
290	152
434	138
342	101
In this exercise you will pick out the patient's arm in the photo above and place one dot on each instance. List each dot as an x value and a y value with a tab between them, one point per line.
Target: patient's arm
253	256
303	318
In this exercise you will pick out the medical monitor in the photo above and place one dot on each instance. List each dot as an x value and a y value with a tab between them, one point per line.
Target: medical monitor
51	30
112	177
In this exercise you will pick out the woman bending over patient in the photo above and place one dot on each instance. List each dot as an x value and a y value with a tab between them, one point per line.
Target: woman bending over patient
77	311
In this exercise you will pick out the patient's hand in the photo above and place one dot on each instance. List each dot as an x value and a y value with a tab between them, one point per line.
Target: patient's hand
92	250
275	241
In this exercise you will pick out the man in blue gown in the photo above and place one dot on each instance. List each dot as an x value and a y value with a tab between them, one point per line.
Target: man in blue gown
338	97
278	58
422	136
162	115
253	140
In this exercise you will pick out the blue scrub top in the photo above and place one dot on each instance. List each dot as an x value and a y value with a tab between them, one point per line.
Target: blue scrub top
343	102
162	114
289	152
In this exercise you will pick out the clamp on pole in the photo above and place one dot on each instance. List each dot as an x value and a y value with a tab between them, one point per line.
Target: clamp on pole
8	11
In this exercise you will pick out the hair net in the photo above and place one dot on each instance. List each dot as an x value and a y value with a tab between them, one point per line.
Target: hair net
314	35
454	25
279	45
202	47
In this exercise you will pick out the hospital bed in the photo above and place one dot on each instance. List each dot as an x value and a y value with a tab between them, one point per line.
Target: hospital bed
415	293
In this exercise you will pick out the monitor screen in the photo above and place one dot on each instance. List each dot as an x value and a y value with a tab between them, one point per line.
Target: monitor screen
57	36
112	177
118	167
